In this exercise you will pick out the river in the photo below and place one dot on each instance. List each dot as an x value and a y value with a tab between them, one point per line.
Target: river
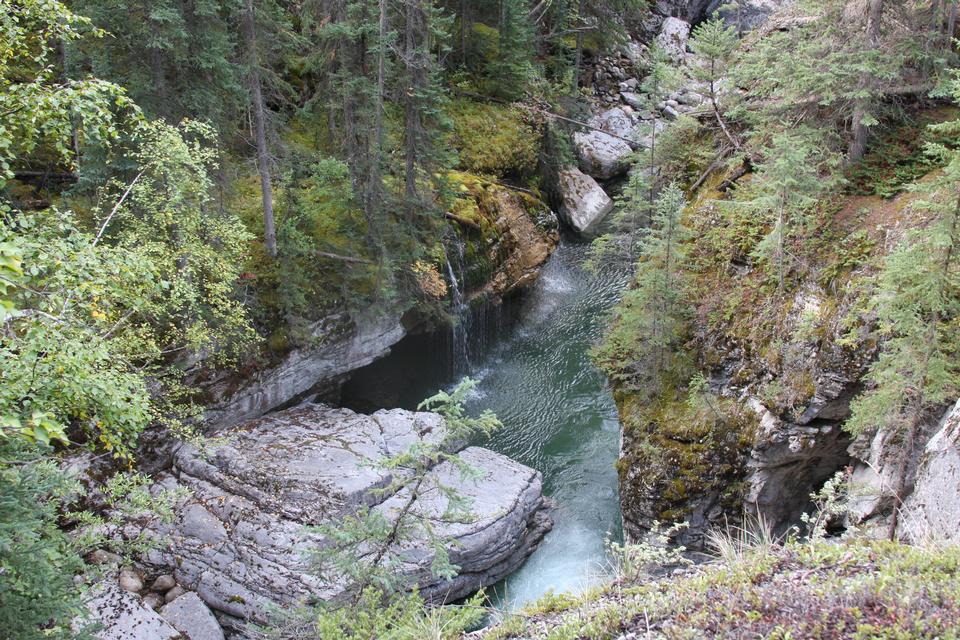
558	414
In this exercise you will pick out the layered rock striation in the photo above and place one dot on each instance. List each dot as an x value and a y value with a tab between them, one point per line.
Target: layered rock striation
242	540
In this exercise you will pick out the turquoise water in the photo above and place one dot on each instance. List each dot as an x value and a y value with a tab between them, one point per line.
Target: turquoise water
533	370
559	418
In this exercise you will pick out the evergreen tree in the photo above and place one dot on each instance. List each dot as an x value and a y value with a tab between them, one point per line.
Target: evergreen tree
917	304
714	43
651	319
511	70
176	59
789	180
425	31
841	66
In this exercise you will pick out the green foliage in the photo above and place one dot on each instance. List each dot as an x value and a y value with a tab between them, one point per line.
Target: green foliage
404	618
794	173
175	59
830	503
510	71
651	318
916	300
631	562
494	139
38	599
38	111
848	589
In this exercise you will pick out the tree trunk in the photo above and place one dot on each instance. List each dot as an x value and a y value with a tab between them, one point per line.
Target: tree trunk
951	25
411	104
578	54
861	133
259	119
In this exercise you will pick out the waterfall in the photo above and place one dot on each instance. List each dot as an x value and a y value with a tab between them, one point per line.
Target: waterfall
460	332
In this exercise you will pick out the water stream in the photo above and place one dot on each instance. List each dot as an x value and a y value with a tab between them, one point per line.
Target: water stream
558	414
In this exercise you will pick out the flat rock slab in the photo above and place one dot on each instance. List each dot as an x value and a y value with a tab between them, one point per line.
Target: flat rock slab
125	617
241	541
191	617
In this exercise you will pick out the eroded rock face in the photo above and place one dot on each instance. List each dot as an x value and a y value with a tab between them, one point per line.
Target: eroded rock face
932	511
241	540
343	346
790	444
787	463
526	235
584	202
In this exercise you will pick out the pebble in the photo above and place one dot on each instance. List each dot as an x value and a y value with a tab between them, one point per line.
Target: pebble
103	557
174	593
130	581
152	601
164	583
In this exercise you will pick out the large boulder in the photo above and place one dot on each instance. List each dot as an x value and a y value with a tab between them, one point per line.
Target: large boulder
603	152
584	204
673	37
241	540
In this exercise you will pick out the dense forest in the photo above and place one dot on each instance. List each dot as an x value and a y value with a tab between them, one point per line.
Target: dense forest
218	216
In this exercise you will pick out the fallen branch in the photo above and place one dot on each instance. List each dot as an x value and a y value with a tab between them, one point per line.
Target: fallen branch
717	162
337	256
462	220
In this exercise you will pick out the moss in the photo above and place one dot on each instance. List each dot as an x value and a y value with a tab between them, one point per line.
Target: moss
680	448
494	139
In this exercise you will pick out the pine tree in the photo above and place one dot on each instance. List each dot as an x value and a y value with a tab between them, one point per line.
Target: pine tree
651	319
510	71
917	305
176	59
714	42
788	182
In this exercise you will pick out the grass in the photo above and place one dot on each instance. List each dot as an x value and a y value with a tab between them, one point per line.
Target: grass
760	589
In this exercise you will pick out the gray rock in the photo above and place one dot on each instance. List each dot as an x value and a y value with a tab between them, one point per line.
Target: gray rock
671	112
788	462
104	557
600	154
752	13
673	37
130	581
584	203
351	347
239	540
635	100
163	583
153	601
628	85
191	617
932	511
125	617
174	593
691	98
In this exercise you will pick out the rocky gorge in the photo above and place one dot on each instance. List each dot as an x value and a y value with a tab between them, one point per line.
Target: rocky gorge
283	462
